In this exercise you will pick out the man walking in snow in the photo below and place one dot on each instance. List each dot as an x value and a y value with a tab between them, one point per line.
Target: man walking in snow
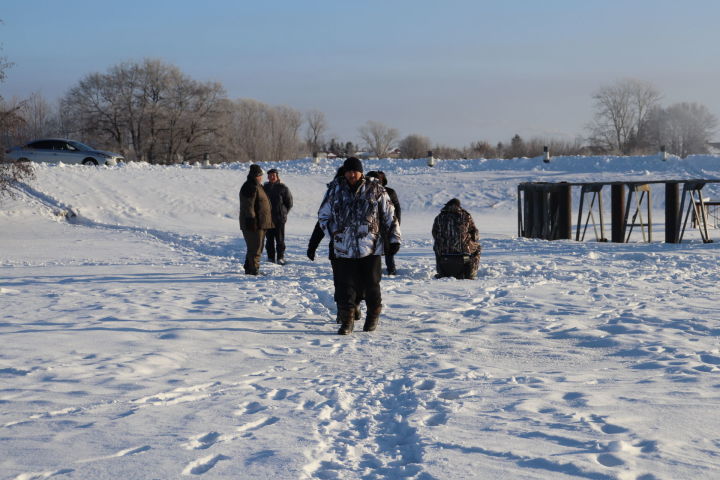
281	201
352	214
255	218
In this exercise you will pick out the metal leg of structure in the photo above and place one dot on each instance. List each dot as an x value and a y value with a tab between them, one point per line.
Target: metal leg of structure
617	194
642	193
672	217
689	190
596	191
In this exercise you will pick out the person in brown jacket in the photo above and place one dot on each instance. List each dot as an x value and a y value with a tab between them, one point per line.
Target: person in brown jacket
255	218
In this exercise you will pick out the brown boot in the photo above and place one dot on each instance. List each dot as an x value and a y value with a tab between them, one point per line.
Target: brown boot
371	321
347	321
357	314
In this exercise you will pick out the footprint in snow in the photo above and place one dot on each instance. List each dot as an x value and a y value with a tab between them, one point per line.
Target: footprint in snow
132	451
258	424
251	408
436	420
610	460
608	428
575	399
426	385
202	465
203	442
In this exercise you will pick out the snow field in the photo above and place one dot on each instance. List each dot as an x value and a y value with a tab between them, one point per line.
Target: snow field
133	347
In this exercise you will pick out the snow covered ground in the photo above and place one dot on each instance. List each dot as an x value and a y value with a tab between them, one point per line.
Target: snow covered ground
133	347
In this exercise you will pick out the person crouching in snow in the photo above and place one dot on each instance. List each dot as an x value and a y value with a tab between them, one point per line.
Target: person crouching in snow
457	250
351	214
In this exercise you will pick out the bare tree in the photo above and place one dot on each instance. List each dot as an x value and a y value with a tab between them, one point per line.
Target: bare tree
316	127
378	137
261	133
415	146
684	128
481	149
621	113
11	173
285	123
41	118
150	109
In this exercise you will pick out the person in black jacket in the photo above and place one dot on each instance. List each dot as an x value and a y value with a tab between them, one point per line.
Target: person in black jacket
389	257
282	201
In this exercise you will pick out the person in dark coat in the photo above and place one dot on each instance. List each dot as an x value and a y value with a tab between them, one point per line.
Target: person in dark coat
389	257
281	201
255	218
352	212
457	250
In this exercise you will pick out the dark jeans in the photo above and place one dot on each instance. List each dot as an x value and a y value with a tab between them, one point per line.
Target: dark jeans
354	277
275	242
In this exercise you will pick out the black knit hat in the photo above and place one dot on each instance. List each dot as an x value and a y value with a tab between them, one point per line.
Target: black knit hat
255	171
272	170
353	164
453	203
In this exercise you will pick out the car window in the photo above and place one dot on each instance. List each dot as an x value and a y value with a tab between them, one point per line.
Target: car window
81	146
58	145
65	146
41	144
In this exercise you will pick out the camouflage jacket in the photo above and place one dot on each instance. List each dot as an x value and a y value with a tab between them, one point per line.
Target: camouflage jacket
355	219
454	232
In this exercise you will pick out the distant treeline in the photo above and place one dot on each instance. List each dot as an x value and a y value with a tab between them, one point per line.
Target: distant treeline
151	111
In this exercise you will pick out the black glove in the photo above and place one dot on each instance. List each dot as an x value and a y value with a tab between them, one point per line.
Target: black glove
250	224
311	254
393	248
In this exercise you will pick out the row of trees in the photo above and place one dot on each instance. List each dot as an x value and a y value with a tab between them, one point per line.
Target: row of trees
629	119
151	111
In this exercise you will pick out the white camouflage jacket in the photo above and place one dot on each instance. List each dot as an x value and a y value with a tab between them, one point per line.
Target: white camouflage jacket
354	219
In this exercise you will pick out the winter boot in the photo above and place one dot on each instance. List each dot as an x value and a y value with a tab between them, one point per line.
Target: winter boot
357	314
347	320
281	261
372	318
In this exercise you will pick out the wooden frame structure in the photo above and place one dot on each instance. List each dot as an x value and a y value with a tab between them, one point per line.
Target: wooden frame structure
545	209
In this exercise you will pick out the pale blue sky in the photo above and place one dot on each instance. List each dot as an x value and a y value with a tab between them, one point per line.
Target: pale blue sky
456	71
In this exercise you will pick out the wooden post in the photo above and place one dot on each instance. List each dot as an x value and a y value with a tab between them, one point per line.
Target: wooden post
617	194
564	206
672	212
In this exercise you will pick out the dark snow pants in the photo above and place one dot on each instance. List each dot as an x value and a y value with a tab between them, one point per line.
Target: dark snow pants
354	277
275	242
457	265
254	242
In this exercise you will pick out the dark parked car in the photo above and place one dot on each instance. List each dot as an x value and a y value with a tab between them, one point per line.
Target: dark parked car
62	150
